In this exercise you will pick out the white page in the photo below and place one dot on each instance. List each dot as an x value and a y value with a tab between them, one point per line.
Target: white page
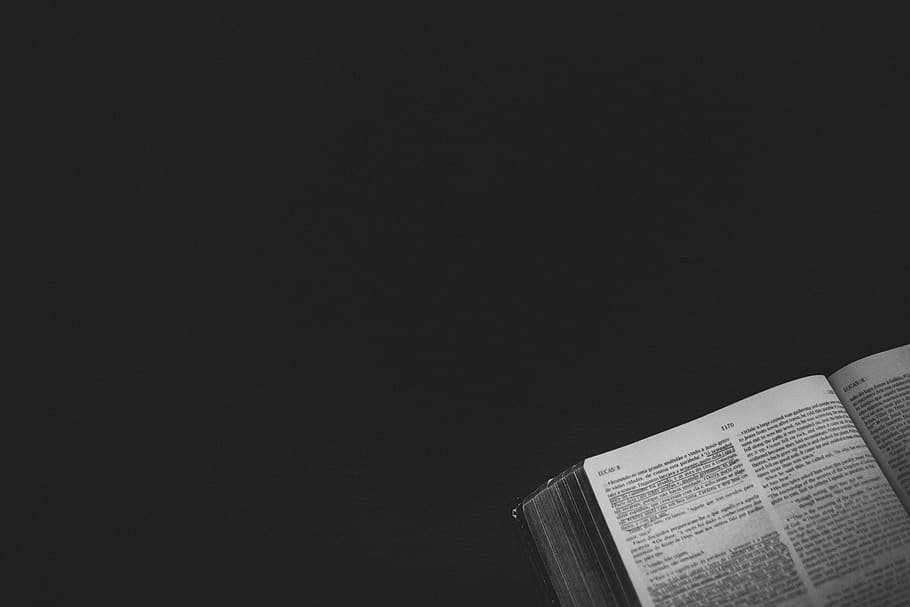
876	393
773	500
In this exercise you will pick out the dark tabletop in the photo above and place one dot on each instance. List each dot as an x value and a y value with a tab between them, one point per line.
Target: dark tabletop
327	288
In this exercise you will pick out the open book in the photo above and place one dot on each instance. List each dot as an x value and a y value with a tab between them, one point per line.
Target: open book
799	495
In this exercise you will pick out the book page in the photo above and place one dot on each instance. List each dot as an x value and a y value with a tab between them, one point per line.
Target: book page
876	393
774	500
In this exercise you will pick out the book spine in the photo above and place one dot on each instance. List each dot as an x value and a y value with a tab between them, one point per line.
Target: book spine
532	552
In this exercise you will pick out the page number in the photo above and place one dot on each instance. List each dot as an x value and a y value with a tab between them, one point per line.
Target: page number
726	427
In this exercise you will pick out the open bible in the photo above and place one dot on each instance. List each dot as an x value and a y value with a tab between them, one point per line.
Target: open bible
799	495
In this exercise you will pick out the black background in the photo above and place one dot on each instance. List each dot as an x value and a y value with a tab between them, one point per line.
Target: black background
328	287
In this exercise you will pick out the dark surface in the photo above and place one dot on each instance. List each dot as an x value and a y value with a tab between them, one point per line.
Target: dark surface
326	289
